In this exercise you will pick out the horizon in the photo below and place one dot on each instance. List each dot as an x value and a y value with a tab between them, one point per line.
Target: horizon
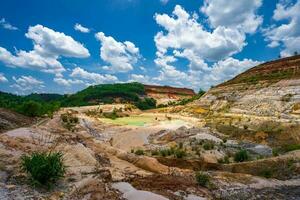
59	47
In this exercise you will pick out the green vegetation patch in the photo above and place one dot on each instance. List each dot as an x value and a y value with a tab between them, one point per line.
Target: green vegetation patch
241	156
111	93
203	179
44	169
69	121
32	105
36	105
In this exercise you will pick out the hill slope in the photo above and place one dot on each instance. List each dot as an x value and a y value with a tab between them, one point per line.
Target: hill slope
270	89
166	94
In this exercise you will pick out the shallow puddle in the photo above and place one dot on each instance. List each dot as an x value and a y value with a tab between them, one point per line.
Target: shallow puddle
130	193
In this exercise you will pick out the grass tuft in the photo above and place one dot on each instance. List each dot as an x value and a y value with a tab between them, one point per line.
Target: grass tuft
43	168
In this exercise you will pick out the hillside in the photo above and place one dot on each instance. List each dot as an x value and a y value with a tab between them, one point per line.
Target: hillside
165	94
269	89
142	96
270	72
258	104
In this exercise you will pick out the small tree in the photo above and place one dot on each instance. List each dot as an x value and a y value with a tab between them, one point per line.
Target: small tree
201	92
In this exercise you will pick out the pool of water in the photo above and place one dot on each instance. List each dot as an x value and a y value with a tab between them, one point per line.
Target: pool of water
132	120
144	121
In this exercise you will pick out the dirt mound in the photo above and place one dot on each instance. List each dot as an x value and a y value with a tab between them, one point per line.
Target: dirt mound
11	120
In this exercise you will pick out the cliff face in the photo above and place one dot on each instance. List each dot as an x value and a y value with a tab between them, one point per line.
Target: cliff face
271	89
165	94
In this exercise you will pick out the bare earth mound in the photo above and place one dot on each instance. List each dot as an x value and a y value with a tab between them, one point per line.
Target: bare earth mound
10	120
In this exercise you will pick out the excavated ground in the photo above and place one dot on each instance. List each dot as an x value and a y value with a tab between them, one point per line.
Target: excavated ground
101	165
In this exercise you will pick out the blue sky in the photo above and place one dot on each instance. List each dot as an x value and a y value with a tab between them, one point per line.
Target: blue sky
64	46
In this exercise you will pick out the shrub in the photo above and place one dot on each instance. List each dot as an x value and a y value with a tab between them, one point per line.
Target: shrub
163	152
154	153
275	152
202	179
69	121
111	115
241	156
287	97
180	145
267	173
224	160
139	152
179	153
208	145
145	104
43	168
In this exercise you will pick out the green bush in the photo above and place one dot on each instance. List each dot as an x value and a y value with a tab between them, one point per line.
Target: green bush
163	152
241	156
111	115
224	160
154	153
275	152
139	152
179	153
267	173
145	104
202	179
44	168
208	145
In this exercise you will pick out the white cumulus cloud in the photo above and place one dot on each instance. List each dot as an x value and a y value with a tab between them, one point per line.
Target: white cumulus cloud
121	56
25	84
209	52
226	69
91	77
191	40
79	27
140	78
239	14
48	47
67	82
287	34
